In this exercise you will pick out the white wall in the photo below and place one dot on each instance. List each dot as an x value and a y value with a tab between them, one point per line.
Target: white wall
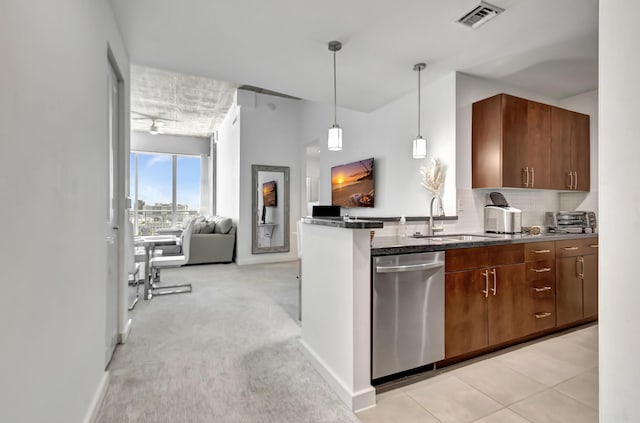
619	91
228	166
386	134
53	156
269	135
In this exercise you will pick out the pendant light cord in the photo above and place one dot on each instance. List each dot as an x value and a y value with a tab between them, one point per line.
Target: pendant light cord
419	70
335	101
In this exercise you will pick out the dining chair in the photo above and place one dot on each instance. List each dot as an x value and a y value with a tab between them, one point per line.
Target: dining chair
157	263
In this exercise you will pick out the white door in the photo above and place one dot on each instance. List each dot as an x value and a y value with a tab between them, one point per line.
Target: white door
112	219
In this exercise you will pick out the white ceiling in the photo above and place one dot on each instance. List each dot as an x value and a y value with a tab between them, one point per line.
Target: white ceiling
546	46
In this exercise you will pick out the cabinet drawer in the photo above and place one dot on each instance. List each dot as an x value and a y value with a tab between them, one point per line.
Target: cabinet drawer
543	314
501	255
536	251
540	270
541	290
576	247
466	258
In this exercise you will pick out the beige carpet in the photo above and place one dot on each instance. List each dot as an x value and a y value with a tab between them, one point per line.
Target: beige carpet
228	352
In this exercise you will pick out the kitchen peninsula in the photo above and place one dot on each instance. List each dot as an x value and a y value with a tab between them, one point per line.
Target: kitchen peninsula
552	271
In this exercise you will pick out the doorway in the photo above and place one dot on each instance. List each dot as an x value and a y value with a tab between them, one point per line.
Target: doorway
114	145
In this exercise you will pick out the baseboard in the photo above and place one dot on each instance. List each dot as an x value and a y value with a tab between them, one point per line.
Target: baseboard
98	397
268	258
356	401
124	335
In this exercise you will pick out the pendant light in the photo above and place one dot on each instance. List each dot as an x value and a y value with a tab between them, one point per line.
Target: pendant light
335	132
419	143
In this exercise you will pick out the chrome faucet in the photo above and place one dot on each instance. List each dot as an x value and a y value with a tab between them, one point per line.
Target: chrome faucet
439	212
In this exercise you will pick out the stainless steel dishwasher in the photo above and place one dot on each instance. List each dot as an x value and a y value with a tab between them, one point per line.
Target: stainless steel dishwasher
408	312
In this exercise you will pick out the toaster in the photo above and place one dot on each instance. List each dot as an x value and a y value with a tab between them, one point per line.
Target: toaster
502	219
571	221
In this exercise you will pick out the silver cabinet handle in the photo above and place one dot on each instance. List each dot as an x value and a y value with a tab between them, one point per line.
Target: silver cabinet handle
593	245
533	177
485	291
495	287
544	269
570	248
581	267
570	180
408	267
541	251
544	288
542	315
578	275
526	172
575	184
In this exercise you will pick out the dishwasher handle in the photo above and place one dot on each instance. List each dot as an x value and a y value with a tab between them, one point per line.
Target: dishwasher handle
408	267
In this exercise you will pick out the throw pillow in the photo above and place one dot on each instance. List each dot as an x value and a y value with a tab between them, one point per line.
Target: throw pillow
199	227
223	226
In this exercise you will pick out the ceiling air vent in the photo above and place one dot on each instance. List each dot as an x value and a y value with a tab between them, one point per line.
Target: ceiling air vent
480	15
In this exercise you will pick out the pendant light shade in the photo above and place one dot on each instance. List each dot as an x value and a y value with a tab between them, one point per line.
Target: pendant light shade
419	143
335	132
419	148
335	138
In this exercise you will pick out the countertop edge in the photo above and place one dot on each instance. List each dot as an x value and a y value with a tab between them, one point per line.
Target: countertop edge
507	239
341	223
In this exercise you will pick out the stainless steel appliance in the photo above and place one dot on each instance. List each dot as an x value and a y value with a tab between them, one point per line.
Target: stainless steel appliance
571	221
408	312
500	218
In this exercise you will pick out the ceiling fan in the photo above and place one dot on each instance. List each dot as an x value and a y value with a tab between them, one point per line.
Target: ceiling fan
155	121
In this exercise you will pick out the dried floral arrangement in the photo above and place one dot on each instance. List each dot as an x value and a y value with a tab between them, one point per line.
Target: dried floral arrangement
433	178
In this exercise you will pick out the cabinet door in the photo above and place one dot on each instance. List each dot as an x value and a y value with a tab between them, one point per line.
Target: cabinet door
560	149
514	141
508	295
465	312
590	285
538	145
486	145
580	151
568	290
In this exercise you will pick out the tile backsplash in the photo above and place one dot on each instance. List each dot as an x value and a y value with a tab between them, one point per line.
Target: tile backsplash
533	203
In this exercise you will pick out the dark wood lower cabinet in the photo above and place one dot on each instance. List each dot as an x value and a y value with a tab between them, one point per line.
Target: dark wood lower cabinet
507	298
501	294
465	312
484	307
590	286
568	290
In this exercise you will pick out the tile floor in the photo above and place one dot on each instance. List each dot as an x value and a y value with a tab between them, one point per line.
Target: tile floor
553	380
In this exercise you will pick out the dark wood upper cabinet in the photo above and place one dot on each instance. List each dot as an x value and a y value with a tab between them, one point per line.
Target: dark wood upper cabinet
570	154
519	143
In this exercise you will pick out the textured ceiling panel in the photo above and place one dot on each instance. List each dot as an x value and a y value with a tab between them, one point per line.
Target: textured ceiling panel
180	104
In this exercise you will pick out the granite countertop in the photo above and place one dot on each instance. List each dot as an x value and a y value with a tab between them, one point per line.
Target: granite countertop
386	245
339	222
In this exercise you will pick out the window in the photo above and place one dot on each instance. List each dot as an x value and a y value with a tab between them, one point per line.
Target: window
165	190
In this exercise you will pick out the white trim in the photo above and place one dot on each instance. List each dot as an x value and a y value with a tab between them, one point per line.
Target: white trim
267	258
98	397
356	401
126	331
